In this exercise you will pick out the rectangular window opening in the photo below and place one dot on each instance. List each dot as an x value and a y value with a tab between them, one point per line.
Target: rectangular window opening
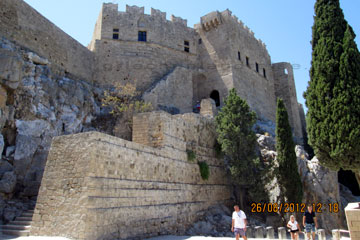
239	56
186	49
247	62
115	36
142	36
264	72
200	41
186	43
257	67
115	30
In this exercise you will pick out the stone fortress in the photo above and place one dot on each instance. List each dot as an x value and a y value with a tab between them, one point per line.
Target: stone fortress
176	66
96	186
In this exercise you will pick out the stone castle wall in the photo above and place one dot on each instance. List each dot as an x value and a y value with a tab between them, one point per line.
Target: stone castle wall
141	62
97	186
168	93
233	49
21	23
285	89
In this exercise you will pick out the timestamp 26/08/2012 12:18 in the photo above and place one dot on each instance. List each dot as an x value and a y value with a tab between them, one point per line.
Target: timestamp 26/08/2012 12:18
293	207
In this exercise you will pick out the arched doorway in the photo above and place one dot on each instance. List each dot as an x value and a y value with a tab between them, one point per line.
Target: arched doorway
216	97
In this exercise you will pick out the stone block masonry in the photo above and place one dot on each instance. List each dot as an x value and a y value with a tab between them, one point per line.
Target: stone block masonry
21	23
96	186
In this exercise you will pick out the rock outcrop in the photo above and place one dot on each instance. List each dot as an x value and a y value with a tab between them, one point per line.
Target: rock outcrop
37	102
321	188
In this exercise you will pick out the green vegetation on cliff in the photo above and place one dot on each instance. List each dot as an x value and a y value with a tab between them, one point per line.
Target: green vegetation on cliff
288	175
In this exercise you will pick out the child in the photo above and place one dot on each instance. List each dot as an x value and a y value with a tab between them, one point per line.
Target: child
294	228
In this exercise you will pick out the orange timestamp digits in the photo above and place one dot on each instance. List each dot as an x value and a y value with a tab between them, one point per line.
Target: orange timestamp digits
292	207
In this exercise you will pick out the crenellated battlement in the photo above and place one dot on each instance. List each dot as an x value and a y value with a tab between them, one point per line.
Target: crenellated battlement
211	21
135	10
158	14
245	28
179	20
110	6
140	11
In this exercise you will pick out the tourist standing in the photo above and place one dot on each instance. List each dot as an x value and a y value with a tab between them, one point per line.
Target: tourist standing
294	227
310	222
239	223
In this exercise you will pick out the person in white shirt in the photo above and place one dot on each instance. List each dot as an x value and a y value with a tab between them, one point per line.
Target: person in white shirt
294	228
239	223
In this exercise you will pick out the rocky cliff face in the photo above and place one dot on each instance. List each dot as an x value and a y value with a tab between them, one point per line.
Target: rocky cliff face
37	102
321	188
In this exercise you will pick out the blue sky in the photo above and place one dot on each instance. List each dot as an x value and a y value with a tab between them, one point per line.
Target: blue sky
284	25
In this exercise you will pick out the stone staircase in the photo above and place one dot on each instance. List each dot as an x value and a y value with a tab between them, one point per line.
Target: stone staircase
20	226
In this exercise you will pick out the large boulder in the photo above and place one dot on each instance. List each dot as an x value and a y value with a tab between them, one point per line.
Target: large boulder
8	182
321	188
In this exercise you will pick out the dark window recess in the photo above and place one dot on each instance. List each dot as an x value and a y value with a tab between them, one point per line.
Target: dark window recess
115	36
257	67
186	43
186	49
200	41
216	97
247	62
239	56
115	30
142	36
264	72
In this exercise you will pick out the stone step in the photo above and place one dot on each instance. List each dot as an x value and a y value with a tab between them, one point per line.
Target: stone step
15	227
27	214
23	218
16	232
17	222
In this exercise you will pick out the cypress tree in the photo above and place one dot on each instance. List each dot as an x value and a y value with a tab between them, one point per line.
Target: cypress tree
327	47
345	130
288	175
234	127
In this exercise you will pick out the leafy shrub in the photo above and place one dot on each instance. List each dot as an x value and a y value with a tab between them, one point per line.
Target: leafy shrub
191	156
204	170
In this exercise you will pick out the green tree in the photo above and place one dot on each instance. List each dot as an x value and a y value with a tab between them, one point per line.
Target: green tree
345	131
288	175
238	141
333	95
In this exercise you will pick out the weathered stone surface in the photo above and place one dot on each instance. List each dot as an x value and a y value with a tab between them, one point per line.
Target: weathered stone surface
5	166
266	142
208	108
8	182
47	91
320	186
167	92
32	128
119	183
36	59
10	68
216	222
